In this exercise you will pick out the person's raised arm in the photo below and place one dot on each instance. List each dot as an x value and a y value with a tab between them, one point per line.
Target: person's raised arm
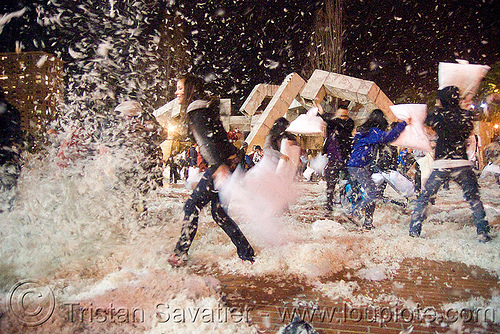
317	103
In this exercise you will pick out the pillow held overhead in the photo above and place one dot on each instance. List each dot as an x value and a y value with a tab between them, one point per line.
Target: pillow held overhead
308	124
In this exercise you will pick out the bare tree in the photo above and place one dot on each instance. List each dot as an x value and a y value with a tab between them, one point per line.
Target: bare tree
174	58
326	52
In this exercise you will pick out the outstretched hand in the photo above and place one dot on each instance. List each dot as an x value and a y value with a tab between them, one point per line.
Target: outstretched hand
317	103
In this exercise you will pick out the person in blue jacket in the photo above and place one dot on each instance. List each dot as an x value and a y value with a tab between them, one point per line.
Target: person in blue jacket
370	134
205	128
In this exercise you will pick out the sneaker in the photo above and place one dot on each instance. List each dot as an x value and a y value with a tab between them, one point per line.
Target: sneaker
483	238
177	261
368	226
414	234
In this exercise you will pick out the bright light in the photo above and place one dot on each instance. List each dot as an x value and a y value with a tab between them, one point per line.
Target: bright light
496	126
483	105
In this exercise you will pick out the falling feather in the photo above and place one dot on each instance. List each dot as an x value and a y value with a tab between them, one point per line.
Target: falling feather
6	18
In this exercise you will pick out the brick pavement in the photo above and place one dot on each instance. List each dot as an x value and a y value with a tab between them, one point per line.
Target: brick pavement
428	284
423	284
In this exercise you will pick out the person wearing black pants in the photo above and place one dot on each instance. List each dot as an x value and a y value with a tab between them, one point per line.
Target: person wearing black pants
453	126
203	194
371	133
337	148
205	127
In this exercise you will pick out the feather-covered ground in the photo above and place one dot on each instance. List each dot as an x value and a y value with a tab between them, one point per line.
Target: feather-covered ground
102	252
84	247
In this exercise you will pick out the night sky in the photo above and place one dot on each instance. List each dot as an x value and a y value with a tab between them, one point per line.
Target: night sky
238	44
398	44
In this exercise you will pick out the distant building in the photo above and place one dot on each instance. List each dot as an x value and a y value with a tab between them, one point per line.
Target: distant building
33	83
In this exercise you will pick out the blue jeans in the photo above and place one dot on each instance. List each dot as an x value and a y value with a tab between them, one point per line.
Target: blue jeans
467	180
203	194
363	176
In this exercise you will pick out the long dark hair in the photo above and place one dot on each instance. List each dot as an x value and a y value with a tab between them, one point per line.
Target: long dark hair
194	89
376	119
278	131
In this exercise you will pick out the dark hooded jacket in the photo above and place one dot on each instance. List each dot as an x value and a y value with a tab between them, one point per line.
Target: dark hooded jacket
341	130
452	124
205	127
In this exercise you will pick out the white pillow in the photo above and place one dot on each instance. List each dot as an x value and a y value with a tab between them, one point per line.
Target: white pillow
413	136
463	75
129	108
308	124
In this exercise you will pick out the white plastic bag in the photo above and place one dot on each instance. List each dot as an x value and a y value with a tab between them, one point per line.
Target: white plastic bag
308	173
194	176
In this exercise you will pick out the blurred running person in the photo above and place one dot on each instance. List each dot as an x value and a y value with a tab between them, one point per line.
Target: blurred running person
205	126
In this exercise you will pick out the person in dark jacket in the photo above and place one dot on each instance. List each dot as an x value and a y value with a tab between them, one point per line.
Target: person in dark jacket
337	148
205	127
370	134
453	127
193	156
10	144
174	169
245	161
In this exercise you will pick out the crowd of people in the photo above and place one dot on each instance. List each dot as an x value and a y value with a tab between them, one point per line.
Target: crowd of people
352	154
370	153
